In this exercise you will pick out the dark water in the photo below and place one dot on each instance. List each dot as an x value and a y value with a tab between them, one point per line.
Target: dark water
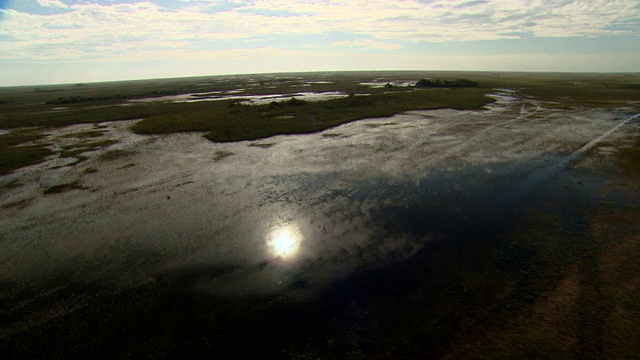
389	269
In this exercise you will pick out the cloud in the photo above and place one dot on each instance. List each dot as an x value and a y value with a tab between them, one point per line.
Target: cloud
91	30
365	44
52	4
471	4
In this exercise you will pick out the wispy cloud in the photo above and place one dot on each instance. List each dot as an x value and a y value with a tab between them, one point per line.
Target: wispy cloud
52	4
365	44
471	4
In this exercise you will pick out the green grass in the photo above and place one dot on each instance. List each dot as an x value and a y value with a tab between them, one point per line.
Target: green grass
19	137
74	150
14	158
14	154
225	121
85	134
36	116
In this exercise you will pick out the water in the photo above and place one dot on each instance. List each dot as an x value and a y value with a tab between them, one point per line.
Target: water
249	99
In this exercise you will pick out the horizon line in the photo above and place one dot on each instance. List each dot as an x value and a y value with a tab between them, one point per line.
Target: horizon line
635	73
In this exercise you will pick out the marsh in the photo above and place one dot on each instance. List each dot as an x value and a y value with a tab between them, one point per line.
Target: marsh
425	233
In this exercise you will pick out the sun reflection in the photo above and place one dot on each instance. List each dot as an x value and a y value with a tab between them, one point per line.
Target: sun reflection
285	241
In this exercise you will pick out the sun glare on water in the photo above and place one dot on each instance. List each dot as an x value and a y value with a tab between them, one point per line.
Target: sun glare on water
285	241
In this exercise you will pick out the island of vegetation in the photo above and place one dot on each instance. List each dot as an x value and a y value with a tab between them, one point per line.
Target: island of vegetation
436	83
233	121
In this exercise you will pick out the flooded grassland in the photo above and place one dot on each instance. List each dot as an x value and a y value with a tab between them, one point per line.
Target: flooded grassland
507	231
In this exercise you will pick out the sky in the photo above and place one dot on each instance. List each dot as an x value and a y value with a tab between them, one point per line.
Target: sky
68	41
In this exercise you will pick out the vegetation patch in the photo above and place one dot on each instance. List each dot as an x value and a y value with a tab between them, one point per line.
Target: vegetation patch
89	170
126	166
437	83
16	138
13	184
229	121
74	150
79	159
629	158
377	125
85	134
221	154
74	185
21	204
262	145
16	157
114	154
78	99
331	135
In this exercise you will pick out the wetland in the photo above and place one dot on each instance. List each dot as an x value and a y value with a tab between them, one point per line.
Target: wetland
322	215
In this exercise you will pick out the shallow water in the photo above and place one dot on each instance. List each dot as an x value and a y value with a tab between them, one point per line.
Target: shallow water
306	96
395	83
180	203
249	99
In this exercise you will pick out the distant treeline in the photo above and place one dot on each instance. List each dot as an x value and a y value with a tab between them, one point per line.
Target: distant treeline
434	83
78	99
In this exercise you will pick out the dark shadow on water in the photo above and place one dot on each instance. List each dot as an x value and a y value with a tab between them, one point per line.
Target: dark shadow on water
416	301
